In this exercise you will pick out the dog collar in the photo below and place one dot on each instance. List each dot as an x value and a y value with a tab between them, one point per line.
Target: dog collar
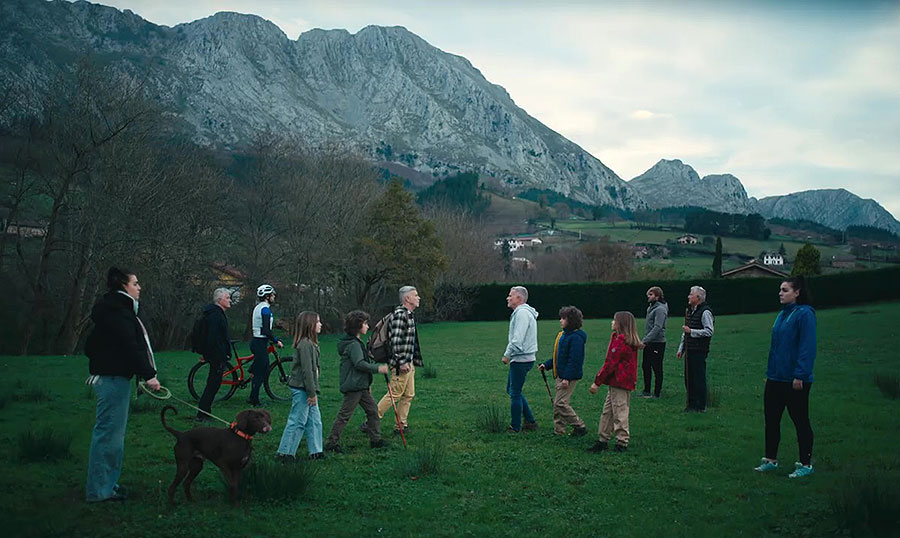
239	432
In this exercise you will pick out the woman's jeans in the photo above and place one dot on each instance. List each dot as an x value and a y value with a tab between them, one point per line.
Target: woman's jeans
303	418
518	405
108	440
260	366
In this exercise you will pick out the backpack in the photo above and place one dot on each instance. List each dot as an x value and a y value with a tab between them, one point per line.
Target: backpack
379	346
199	334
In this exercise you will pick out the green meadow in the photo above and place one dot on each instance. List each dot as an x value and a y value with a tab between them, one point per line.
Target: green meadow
684	474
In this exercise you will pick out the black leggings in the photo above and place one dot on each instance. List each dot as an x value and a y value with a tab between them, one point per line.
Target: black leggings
653	365
778	395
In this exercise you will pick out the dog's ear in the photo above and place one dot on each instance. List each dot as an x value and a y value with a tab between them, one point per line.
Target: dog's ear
242	420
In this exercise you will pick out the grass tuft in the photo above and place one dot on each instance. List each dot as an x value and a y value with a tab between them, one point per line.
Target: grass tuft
33	394
4	399
888	384
868	506
268	480
430	372
489	419
144	404
421	461
713	397
45	445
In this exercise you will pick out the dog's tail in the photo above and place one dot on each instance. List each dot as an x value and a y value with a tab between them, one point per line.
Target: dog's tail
162	417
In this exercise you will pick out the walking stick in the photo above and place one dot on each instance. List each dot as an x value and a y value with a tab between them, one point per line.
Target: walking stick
544	375
394	405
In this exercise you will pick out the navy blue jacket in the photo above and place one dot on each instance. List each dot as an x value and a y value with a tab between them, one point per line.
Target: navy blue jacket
792	352
569	355
217	346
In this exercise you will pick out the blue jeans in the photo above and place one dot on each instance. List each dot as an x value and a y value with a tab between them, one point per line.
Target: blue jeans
260	366
303	418
108	440
518	405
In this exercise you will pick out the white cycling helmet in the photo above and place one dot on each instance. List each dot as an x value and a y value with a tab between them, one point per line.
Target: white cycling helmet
264	290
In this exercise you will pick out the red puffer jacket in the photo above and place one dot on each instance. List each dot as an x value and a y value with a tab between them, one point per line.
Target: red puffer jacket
620	367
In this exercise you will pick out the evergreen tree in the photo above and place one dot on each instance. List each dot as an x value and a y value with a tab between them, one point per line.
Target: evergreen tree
807	262
781	250
717	259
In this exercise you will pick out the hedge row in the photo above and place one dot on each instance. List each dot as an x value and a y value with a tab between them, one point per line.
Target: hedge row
725	296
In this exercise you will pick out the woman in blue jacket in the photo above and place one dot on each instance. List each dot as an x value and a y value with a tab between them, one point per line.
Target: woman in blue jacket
789	376
566	364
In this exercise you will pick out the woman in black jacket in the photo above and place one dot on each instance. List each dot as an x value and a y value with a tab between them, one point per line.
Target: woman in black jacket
118	348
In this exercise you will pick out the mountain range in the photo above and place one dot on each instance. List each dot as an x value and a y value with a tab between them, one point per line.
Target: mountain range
382	92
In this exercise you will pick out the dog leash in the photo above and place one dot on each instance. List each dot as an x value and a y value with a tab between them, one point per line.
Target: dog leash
168	395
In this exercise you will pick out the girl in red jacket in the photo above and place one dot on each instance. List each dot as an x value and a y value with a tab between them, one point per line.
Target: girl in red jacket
620	373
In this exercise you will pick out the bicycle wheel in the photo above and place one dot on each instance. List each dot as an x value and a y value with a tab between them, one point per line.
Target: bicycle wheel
277	381
197	381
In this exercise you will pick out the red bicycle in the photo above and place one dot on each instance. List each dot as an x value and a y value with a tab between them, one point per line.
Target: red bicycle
233	378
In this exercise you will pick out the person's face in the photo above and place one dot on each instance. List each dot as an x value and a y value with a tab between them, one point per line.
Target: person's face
318	325
787	294
612	325
271	298
132	287
365	328
412	299
652	297
563	322
225	302
513	299
693	298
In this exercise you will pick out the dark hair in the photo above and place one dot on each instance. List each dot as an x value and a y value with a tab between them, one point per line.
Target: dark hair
116	278
354	321
798	283
574	318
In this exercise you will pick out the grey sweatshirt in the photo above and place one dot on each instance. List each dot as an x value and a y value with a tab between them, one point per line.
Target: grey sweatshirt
522	345
657	314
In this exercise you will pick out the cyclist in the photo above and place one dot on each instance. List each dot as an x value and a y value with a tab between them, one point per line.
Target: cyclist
262	335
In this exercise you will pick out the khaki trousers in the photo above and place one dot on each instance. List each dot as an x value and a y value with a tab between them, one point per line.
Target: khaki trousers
563	413
403	388
615	416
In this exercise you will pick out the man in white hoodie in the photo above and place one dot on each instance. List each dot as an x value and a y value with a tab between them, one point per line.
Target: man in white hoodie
520	355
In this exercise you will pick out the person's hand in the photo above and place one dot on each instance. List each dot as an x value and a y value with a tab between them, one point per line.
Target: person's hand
686	329
201	359
594	388
279	343
798	384
505	359
678	355
541	367
383	369
153	383
404	367
312	400
564	383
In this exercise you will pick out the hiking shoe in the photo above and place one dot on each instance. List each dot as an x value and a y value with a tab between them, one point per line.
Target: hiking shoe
255	404
579	431
529	426
510	429
801	470
599	446
620	448
285	458
766	465
334	448
364	427
317	456
405	430
377	443
646	394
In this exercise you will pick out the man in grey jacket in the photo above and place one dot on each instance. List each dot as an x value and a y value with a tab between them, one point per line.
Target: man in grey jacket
655	341
520	354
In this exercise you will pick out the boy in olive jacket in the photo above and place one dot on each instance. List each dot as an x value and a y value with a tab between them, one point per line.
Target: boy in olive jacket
356	377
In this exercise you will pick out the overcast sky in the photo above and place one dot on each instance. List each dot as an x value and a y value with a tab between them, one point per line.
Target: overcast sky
787	96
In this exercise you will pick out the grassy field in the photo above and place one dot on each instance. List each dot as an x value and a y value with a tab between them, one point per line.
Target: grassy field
684	475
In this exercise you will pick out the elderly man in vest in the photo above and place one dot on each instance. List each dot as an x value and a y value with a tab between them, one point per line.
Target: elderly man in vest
696	334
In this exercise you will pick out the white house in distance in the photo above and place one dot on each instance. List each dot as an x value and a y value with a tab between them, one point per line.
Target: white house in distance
770	258
515	243
688	239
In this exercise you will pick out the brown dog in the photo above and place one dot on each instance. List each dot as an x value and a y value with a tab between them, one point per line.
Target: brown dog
228	448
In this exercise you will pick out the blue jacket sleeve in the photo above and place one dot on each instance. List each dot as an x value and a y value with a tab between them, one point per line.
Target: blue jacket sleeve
575	357
806	346
266	328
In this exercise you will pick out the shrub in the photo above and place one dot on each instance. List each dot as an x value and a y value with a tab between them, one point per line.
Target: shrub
489	420
868	506
425	460
888	384
45	445
267	480
430	372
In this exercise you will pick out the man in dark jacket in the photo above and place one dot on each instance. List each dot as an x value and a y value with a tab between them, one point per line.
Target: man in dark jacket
696	334
655	341
216	348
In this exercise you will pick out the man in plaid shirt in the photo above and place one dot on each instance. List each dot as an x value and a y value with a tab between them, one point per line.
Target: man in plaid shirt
405	356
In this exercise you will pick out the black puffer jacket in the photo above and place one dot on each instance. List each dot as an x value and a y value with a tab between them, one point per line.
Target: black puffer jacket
116	346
